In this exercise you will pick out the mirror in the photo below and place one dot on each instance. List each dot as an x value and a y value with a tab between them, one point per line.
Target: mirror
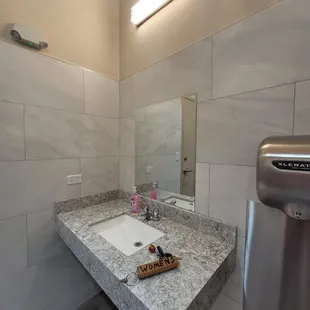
166	151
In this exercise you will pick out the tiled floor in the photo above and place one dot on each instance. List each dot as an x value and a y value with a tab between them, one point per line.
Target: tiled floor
224	302
99	302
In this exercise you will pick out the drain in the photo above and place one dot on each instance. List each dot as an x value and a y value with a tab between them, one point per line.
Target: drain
138	244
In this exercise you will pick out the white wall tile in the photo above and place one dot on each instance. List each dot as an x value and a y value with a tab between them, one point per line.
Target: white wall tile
302	109
127	137
30	186
126	99
30	78
126	173
166	113
11	132
58	134
165	169
59	280
140	172
267	49
224	302
43	241
101	95
231	129
234	285
191	70
100	175
13	245
153	84
150	139
202	188
229	187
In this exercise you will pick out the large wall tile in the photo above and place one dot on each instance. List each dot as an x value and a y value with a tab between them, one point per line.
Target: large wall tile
101	95
43	241
302	109
234	285
65	280
127	137
231	129
229	188
100	175
167	113
126	99
30	186
13	245
150	139
165	169
11	132
140	172
191	70
126	173
153	84
33	79
202	188
58	134
266	49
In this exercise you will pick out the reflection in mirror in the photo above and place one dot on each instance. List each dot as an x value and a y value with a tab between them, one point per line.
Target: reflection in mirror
166	151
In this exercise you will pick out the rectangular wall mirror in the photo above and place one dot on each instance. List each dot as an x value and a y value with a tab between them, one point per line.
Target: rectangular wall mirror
166	151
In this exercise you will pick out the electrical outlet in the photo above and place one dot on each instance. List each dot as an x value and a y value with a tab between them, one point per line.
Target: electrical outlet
177	156
74	179
148	169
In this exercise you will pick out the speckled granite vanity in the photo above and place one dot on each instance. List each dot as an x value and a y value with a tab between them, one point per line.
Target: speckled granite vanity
207	248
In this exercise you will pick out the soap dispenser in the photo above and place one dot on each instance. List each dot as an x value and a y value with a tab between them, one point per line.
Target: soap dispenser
154	192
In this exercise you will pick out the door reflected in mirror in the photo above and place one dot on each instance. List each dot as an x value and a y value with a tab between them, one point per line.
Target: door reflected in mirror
166	151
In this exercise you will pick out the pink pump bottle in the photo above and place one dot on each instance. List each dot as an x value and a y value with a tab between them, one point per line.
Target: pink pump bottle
135	201
154	192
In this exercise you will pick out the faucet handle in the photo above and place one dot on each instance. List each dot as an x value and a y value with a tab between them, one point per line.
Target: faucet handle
146	209
156	215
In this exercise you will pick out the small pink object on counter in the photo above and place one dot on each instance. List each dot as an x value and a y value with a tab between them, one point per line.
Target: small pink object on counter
154	192
135	202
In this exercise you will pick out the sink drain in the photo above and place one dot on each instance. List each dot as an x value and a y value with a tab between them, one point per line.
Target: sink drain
138	244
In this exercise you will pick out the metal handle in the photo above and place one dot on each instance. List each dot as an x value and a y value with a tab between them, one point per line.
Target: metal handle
156	214
185	170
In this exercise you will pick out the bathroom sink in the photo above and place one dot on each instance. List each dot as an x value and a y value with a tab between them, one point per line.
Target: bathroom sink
181	203
127	234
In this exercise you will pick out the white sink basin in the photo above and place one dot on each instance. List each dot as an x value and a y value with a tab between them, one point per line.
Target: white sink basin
124	232
181	203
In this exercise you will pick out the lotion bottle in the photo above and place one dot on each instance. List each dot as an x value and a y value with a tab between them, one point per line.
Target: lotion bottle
154	192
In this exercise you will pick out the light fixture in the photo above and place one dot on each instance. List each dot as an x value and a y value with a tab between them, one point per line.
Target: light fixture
144	9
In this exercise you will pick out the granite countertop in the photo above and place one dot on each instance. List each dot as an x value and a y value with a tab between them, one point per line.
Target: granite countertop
207	260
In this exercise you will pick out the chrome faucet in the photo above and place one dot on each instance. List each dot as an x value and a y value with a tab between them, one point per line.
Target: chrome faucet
151	216
173	202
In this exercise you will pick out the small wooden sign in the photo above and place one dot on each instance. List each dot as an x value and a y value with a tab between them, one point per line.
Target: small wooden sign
158	266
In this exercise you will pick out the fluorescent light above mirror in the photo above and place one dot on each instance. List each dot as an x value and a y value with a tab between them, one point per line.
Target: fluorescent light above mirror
144	9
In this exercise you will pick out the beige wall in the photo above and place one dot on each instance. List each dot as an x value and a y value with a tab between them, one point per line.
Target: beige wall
178	25
82	32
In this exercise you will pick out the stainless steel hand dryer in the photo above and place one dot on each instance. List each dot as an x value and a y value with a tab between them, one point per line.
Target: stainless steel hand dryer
277	259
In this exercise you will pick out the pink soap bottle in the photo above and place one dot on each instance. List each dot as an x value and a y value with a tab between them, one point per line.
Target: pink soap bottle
135	201
154	192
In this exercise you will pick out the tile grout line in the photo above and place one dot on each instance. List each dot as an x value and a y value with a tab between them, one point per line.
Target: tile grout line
253	91
83	90
231	298
25	140
294	108
212	64
58	159
209	196
27	240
